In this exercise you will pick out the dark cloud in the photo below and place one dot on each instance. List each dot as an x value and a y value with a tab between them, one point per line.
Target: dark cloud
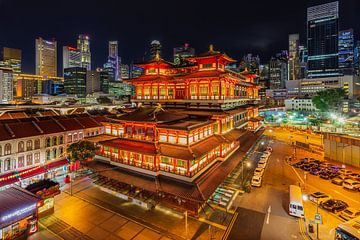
237	27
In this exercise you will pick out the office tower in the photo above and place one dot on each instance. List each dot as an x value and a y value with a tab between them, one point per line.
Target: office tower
71	57
346	52
83	45
250	63
357	58
303	59
264	80
104	80
111	71
183	52
113	61
11	58
278	70
46	57
92	82
75	81
322	40
155	47
52	87
125	71
293	56
135	71
6	85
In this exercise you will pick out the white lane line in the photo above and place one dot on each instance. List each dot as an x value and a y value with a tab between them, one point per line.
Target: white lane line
346	196
268	215
297	174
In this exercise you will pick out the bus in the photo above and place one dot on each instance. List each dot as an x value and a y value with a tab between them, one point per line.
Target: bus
349	230
296	207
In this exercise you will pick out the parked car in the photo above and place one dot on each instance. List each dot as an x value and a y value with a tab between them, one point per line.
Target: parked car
349	214
354	176
351	184
256	181
344	171
319	197
338	180
333	175
298	164
315	171
334	205
259	172
324	175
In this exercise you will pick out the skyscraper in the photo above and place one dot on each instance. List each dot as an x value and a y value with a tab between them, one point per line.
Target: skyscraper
75	81
293	56
183	52
278	70
71	57
113	61
250	62
92	82
155	47
46	57
125	71
6	85
83	45
11	58
322	39
346	51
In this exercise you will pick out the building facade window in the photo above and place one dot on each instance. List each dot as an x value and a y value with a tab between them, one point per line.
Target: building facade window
54	141
7	164
53	155
47	155
37	144
28	145
29	160
21	146
0	152
7	149
21	162
37	157
48	142
61	140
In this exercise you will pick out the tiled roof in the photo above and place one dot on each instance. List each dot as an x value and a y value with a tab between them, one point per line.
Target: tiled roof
205	146
71	124
49	126
150	114
176	151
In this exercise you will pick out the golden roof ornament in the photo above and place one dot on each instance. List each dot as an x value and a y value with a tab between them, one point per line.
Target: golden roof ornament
211	48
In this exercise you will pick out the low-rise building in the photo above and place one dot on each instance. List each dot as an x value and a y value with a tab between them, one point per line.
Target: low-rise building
299	104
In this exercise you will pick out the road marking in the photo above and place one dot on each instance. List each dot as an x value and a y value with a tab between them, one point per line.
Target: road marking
214	224
268	215
346	196
297	174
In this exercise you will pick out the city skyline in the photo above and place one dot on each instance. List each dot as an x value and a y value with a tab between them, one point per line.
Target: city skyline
253	36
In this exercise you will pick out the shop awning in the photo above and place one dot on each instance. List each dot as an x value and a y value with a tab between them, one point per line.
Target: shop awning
16	204
15	176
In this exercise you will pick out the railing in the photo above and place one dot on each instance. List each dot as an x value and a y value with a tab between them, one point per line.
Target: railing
191	97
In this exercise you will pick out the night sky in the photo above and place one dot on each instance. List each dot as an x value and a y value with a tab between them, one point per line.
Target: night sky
236	27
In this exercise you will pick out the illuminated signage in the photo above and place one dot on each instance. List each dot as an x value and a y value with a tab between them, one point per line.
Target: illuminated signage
19	212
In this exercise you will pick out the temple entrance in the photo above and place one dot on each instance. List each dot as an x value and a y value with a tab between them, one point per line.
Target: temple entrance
180	94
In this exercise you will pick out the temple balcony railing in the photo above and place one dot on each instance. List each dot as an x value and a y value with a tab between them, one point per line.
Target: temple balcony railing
191	98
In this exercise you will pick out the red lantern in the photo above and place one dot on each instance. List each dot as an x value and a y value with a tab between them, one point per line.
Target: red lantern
67	179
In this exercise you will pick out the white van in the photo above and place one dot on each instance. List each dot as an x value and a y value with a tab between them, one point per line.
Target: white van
296	207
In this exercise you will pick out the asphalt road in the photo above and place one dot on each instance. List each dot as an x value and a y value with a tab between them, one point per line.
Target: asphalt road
272	198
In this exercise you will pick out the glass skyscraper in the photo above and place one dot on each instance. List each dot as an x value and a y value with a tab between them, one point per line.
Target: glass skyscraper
83	45
322	40
346	51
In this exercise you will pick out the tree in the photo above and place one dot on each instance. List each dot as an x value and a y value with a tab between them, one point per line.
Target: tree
328	99
81	151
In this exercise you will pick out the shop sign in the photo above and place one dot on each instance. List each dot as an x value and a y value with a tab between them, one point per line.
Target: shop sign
18	212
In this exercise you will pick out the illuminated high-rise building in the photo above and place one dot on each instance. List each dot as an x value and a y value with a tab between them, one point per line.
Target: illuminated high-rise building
11	58
6	85
46	57
113	61
93	82
83	45
346	51
182	52
155	48
293	57
322	40
71	57
75	81
124	71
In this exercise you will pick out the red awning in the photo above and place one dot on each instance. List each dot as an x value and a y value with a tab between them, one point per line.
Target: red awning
14	177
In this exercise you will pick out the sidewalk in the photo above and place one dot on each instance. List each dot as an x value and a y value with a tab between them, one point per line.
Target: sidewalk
76	219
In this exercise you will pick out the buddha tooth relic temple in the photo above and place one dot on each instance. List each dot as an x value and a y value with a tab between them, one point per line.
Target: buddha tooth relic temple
178	145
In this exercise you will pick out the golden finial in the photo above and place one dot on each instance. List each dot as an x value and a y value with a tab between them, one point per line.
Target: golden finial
157	56
211	48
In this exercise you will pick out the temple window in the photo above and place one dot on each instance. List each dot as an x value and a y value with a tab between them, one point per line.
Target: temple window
162	91
154	90
171	92
193	90
207	65
203	90
152	71
182	140
108	130
146	91
191	140
172	138
215	89
165	160
181	163
163	138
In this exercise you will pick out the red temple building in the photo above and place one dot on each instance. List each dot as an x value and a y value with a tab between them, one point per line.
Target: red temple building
189	121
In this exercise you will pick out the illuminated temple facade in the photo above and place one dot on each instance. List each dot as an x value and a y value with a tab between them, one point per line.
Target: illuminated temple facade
178	145
190	117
